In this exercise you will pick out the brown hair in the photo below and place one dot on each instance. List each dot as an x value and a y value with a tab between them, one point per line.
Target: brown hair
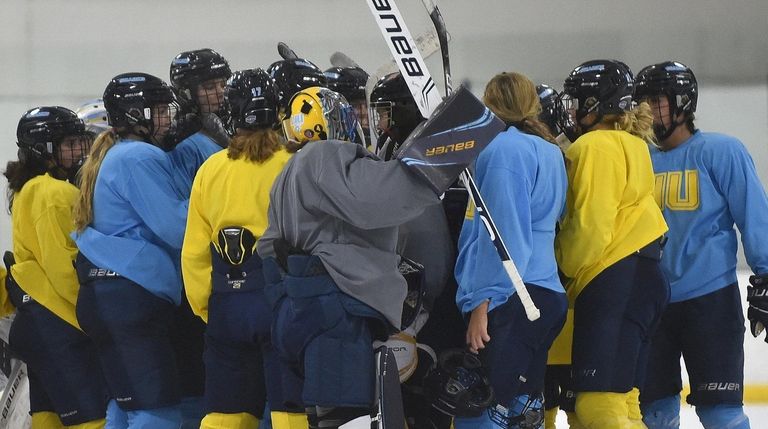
83	210
256	145
513	98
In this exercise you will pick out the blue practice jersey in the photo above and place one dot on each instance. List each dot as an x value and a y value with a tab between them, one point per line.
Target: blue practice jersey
704	187
138	219
187	157
523	182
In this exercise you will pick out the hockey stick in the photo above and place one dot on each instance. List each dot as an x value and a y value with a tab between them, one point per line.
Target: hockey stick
427	44
286	52
442	37
422	87
482	210
10	398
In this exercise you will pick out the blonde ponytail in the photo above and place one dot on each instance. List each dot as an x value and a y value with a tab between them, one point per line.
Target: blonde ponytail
638	122
513	98
83	209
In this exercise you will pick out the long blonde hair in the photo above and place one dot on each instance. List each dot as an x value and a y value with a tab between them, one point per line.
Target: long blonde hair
513	98
256	145
83	209
638	122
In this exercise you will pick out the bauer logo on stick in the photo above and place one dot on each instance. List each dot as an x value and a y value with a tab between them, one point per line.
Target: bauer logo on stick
403	49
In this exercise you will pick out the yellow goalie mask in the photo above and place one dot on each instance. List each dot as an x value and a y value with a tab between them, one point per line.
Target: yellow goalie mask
318	113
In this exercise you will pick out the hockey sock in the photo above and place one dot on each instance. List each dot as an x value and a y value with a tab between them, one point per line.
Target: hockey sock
229	421
549	418
603	410
722	416
573	421
662	413
633	406
286	420
46	420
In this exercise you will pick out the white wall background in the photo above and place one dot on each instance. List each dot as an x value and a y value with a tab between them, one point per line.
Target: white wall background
65	51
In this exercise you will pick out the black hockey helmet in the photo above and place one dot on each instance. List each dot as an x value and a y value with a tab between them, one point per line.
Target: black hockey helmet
600	86
293	75
392	101
40	134
251	98
458	386
674	80
129	99
190	68
347	81
548	98
41	129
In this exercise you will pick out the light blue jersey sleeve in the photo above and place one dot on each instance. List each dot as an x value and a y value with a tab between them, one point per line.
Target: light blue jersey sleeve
187	157
734	172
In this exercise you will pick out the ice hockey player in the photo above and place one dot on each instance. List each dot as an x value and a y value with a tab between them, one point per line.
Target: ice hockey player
522	175
427	240
127	297
350	82
222	274
66	385
609	244
333	228
705	184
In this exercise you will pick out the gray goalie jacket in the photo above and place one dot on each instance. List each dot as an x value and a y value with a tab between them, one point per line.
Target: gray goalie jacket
339	202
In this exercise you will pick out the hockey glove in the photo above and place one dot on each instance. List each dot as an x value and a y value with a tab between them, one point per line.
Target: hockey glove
757	298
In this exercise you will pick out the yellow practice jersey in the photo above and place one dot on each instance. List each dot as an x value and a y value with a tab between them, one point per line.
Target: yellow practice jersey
225	192
610	206
6	307
42	221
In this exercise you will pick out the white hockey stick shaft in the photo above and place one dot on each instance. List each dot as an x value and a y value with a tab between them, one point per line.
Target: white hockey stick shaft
420	82
406	55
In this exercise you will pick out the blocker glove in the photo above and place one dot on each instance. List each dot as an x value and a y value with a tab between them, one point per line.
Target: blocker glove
757	298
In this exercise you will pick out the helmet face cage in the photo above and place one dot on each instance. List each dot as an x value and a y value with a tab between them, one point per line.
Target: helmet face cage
600	86
525	412
549	99
251	100
567	117
458	385
144	105
320	114
380	115
402	115
41	129
677	83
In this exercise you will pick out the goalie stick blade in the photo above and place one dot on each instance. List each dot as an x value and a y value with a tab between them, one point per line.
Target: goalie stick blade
389	399
286	52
